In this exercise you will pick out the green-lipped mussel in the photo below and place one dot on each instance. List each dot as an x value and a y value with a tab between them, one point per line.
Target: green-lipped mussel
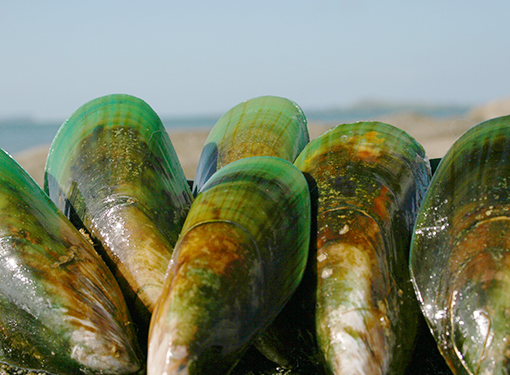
112	170
61	309
240	256
460	253
262	126
370	178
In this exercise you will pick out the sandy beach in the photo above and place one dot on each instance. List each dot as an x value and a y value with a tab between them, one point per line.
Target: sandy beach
435	135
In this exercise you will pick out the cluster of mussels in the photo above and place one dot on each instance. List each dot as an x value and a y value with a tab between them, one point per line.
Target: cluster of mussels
282	256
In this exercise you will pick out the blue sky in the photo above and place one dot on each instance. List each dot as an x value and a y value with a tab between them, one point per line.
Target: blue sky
203	57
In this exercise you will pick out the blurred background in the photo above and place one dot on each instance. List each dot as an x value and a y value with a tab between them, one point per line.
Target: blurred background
340	60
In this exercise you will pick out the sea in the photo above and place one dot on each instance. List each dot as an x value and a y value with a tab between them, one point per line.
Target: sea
21	134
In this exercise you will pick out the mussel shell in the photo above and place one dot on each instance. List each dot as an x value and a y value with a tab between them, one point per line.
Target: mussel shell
61	309
460	253
239	258
112	170
371	178
262	126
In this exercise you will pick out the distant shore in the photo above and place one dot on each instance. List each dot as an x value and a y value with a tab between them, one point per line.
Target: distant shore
435	135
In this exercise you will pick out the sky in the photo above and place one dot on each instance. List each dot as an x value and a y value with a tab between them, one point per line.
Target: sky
190	58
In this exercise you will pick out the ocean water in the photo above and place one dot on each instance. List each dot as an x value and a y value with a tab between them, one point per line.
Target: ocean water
17	135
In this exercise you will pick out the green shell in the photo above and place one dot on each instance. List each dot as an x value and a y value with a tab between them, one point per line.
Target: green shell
370	179
460	253
112	170
263	126
240	256
61	309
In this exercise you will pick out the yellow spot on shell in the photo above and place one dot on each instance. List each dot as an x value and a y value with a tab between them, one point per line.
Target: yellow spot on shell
214	245
326	272
322	257
344	230
367	148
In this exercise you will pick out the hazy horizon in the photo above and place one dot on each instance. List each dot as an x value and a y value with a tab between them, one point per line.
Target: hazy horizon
199	58
369	105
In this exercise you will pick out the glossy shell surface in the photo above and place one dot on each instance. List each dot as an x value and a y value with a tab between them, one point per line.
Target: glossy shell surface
460	254
240	256
370	179
112	170
61	309
263	126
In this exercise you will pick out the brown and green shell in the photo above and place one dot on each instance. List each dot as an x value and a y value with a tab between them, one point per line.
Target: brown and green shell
240	256
262	126
460	253
61	309
113	171
370	179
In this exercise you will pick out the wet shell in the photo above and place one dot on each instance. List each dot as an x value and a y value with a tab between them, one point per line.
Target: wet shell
460	254
263	126
239	258
371	178
112	170
61	309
